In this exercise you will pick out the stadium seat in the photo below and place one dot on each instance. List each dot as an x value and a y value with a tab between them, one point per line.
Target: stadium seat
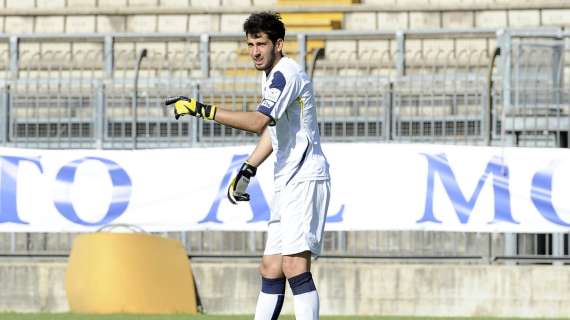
313	21
317	2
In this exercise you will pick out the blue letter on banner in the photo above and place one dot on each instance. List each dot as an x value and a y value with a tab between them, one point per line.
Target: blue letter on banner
440	165
257	203
338	217
541	194
120	198
8	187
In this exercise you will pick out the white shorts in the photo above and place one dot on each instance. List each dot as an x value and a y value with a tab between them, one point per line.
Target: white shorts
298	217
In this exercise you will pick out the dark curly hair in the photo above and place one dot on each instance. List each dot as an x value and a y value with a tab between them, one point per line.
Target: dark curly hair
267	22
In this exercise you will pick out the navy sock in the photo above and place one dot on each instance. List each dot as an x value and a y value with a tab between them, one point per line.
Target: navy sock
305	297
273	286
270	299
302	283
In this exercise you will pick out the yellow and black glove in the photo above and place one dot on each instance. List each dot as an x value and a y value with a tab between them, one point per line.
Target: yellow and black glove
187	106
238	186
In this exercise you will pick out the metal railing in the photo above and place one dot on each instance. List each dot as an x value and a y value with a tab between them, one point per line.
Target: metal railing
78	91
370	89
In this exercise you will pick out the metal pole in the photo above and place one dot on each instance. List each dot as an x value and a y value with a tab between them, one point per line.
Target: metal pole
4	122
316	55
13	242
99	125
489	112
302	42
388	106
184	240
341	242
557	246
205	55
400	54
109	67
194	129
135	97
195	125
557	80
504	43
109	56
14	56
252	237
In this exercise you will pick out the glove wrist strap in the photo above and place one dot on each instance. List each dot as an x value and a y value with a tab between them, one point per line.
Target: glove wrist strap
207	111
212	112
248	170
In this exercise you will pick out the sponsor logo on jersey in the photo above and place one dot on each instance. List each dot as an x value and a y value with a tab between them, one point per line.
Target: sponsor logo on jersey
267	104
273	94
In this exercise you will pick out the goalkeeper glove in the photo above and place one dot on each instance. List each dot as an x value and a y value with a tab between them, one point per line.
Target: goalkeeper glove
184	106
236	190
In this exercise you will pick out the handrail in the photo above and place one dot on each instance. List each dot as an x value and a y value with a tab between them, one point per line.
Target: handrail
333	34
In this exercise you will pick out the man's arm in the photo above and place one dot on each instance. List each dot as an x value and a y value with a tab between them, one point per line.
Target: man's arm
237	190
262	150
251	121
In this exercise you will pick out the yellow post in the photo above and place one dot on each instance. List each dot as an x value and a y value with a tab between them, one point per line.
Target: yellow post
129	273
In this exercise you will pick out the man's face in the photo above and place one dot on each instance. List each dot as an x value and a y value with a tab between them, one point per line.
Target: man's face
263	52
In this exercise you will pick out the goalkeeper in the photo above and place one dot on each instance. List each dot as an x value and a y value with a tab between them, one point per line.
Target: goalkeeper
286	120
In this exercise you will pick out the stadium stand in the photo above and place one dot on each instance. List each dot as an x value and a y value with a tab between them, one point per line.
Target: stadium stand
430	83
429	64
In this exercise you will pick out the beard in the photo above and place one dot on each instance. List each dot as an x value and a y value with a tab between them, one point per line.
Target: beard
268	63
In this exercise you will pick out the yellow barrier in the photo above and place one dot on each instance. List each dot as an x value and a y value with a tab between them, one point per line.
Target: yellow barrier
129	273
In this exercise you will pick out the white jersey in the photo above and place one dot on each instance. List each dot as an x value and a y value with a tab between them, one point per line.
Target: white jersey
287	98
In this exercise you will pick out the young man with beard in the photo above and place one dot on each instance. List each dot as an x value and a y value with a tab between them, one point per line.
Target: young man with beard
286	120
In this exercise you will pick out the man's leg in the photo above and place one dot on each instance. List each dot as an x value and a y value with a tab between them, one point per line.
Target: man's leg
272	292
297	269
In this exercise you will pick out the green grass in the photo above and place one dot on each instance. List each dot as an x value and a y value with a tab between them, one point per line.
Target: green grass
69	316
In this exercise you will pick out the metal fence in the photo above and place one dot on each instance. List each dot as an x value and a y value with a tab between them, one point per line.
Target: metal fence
79	91
475	87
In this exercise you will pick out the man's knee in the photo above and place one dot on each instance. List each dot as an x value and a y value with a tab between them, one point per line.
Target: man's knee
296	264
271	268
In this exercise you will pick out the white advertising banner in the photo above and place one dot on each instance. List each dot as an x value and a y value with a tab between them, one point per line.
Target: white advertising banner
374	187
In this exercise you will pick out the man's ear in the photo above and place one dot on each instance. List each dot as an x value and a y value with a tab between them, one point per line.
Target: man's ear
279	45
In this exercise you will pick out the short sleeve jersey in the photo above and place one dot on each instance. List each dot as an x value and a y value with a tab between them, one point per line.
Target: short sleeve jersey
288	99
